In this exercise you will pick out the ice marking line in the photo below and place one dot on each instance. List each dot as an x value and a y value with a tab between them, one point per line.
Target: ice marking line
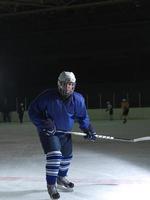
80	181
14	178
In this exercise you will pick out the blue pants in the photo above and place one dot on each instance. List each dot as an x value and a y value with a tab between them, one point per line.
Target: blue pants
58	150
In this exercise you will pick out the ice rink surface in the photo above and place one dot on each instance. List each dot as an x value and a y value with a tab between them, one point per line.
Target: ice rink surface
101	170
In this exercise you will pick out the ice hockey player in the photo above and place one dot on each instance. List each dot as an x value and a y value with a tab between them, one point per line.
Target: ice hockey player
57	109
109	109
125	109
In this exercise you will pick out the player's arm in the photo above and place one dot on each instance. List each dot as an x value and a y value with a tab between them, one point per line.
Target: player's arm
84	121
38	115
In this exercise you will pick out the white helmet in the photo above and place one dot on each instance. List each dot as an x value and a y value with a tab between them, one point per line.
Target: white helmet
63	79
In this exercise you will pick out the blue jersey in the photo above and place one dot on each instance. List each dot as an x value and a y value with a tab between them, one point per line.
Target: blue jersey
50	105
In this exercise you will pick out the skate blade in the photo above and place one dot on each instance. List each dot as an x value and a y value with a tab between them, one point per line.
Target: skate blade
54	198
64	189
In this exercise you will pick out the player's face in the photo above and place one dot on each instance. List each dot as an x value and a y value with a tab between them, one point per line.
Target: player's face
70	87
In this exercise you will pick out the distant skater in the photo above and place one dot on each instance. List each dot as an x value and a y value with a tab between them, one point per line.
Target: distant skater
109	109
20	112
125	110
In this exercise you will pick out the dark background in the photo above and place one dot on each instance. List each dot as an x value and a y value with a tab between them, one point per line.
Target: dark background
106	45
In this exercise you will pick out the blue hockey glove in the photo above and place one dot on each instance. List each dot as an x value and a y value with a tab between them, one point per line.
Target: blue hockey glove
90	133
49	127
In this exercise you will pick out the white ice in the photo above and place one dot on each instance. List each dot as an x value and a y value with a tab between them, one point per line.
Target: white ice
101	170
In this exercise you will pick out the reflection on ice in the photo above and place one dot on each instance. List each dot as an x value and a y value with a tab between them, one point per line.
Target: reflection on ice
100	170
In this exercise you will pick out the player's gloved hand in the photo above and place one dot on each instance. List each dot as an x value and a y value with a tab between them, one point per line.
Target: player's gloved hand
49	127
90	133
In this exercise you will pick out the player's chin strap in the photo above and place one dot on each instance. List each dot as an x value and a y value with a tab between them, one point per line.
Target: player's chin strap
105	137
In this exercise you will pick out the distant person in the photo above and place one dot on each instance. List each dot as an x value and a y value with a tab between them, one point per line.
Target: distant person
6	111
20	112
109	109
125	109
53	110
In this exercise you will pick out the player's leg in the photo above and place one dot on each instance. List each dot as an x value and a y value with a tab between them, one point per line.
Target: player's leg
66	144
51	146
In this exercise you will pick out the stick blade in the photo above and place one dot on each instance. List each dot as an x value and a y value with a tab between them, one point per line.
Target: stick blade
141	139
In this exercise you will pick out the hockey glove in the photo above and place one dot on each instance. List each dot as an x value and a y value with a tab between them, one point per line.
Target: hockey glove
49	127
90	133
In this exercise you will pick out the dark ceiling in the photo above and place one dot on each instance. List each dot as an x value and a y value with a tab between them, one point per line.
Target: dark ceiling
14	7
48	15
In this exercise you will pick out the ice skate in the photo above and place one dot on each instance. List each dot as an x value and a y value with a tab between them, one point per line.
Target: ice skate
63	183
52	190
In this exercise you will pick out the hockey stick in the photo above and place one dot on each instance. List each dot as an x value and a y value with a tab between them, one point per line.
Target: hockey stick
105	137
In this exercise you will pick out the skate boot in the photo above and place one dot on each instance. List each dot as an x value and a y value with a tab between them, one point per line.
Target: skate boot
63	183
52	190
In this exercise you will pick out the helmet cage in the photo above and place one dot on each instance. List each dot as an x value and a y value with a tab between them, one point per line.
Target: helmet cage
62	87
